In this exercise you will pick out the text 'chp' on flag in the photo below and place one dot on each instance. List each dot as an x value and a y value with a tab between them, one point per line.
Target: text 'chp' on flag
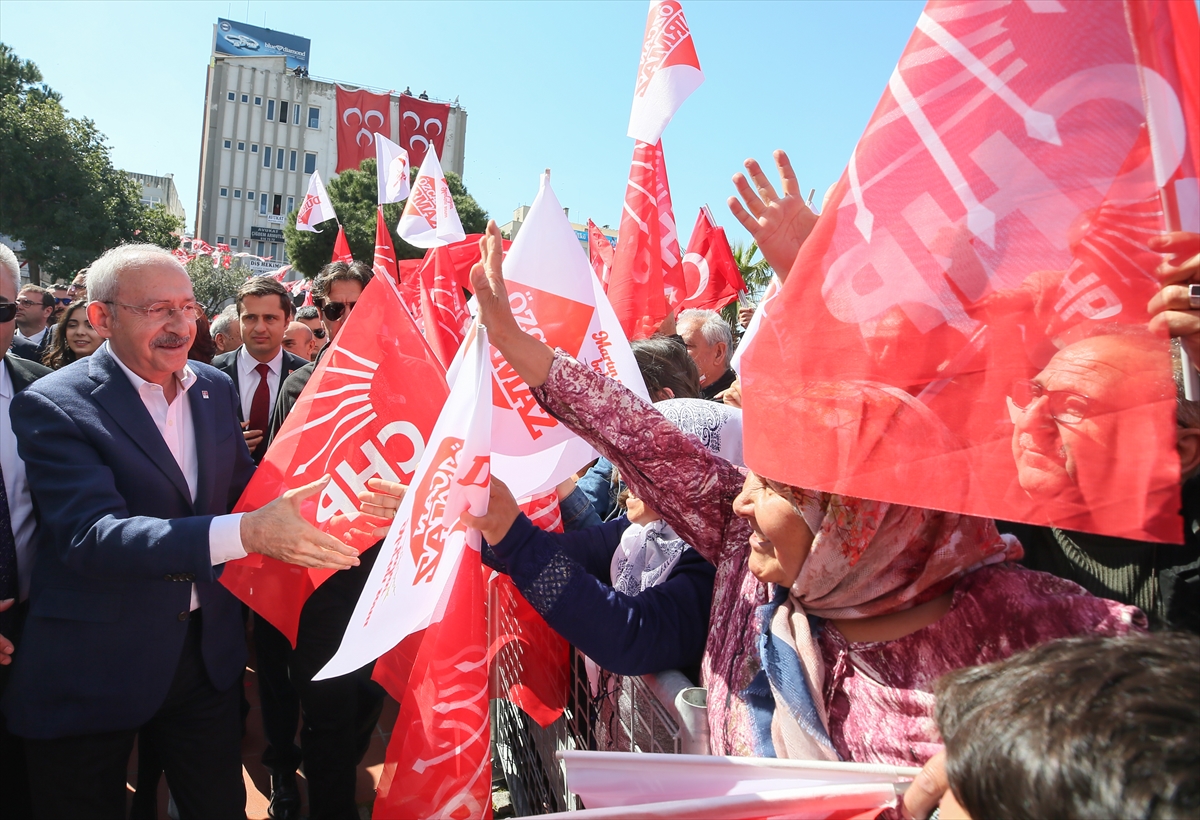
410	582
360	115
430	218
367	412
556	298
711	276
965	328
316	207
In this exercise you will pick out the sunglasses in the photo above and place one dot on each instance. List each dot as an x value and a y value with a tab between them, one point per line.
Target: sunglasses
333	311
65	301
320	332
8	311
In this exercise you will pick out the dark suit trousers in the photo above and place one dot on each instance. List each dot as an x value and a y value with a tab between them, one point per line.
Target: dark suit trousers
197	732
339	713
14	775
277	697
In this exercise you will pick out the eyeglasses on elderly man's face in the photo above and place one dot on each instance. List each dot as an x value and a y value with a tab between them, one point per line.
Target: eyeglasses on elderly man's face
162	312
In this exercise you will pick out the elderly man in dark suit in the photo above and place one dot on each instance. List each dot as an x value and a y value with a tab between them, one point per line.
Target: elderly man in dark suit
140	455
18	531
261	364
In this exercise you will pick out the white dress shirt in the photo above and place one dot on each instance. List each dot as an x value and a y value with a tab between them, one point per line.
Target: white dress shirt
35	338
174	422
20	503
248	379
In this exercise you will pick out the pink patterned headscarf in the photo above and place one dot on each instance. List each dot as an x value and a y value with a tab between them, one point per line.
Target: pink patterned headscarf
868	558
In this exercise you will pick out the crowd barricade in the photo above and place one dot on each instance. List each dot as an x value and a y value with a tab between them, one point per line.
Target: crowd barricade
604	712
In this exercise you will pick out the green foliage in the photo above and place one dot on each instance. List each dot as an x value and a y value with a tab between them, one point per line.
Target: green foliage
213	286
354	194
757	275
59	192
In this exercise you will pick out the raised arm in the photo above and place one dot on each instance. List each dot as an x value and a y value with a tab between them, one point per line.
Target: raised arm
676	475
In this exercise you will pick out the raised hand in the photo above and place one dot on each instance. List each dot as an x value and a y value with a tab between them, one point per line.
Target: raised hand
779	224
1172	309
378	506
279	531
501	513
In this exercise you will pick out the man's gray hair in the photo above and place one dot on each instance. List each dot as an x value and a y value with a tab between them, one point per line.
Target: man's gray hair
12	268
104	275
223	320
713	328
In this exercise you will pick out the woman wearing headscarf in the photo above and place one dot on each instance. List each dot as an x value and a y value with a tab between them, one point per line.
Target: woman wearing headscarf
831	616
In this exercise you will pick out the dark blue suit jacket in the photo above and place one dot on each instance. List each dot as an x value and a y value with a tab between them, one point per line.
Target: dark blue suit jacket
120	543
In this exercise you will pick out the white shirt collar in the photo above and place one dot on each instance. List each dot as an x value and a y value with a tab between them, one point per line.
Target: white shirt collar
6	385
247	363
185	377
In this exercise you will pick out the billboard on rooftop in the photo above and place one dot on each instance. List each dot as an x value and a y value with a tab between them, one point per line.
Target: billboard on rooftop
245	40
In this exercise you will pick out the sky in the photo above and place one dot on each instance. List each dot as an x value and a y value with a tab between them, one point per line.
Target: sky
544	84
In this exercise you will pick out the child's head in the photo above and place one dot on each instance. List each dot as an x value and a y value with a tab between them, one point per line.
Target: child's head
1083	727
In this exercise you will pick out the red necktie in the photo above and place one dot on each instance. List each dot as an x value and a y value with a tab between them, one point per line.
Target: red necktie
260	407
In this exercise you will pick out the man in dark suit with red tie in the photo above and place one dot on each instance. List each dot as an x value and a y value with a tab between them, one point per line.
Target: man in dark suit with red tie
139	454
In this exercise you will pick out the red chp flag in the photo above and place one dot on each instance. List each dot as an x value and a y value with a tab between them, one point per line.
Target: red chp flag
711	276
367	412
668	72
422	126
647	272
965	329
600	252
341	248
384	263
360	115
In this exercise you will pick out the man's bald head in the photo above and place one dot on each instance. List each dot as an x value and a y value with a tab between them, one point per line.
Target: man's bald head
299	340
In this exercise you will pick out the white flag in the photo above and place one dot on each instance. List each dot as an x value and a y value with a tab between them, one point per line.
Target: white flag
430	219
391	163
668	73
316	207
557	298
419	558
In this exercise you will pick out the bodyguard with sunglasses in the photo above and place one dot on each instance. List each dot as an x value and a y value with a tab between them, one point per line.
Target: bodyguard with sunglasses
139	454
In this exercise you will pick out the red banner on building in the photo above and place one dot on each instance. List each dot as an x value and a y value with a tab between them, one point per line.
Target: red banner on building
422	124
966	327
360	115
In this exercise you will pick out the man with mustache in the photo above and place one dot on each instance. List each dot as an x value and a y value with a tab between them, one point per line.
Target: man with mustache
139	454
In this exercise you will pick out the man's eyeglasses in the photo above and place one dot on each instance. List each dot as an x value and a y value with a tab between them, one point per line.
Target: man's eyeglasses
320	332
64	301
8	312
334	311
1065	407
30	303
161	313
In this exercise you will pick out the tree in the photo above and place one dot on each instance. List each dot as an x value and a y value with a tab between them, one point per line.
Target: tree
59	192
354	194
757	276
215	285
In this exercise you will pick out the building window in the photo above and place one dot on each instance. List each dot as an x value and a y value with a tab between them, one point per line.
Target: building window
310	162
314	118
245	243
291	204
274	250
245	98
237	193
296	114
228	143
220	240
262	204
241	146
258	100
233	242
262	248
283	111
254	148
266	156
277	205
224	192
232	96
292	161
270	109
279	159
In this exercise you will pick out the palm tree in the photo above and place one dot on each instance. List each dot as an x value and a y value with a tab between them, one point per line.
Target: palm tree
757	275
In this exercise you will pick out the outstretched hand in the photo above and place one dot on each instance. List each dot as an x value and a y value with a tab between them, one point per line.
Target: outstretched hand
279	531
502	511
1170	309
6	646
779	224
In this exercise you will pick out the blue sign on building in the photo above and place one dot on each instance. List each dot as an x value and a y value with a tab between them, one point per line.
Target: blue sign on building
245	40
582	236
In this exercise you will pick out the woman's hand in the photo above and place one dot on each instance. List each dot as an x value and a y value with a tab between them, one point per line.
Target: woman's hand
1171	308
926	790
528	356
501	513
779	224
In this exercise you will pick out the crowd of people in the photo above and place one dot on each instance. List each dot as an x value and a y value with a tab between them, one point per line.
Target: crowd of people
1030	670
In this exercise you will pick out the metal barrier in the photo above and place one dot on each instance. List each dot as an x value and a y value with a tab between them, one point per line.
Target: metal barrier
627	714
